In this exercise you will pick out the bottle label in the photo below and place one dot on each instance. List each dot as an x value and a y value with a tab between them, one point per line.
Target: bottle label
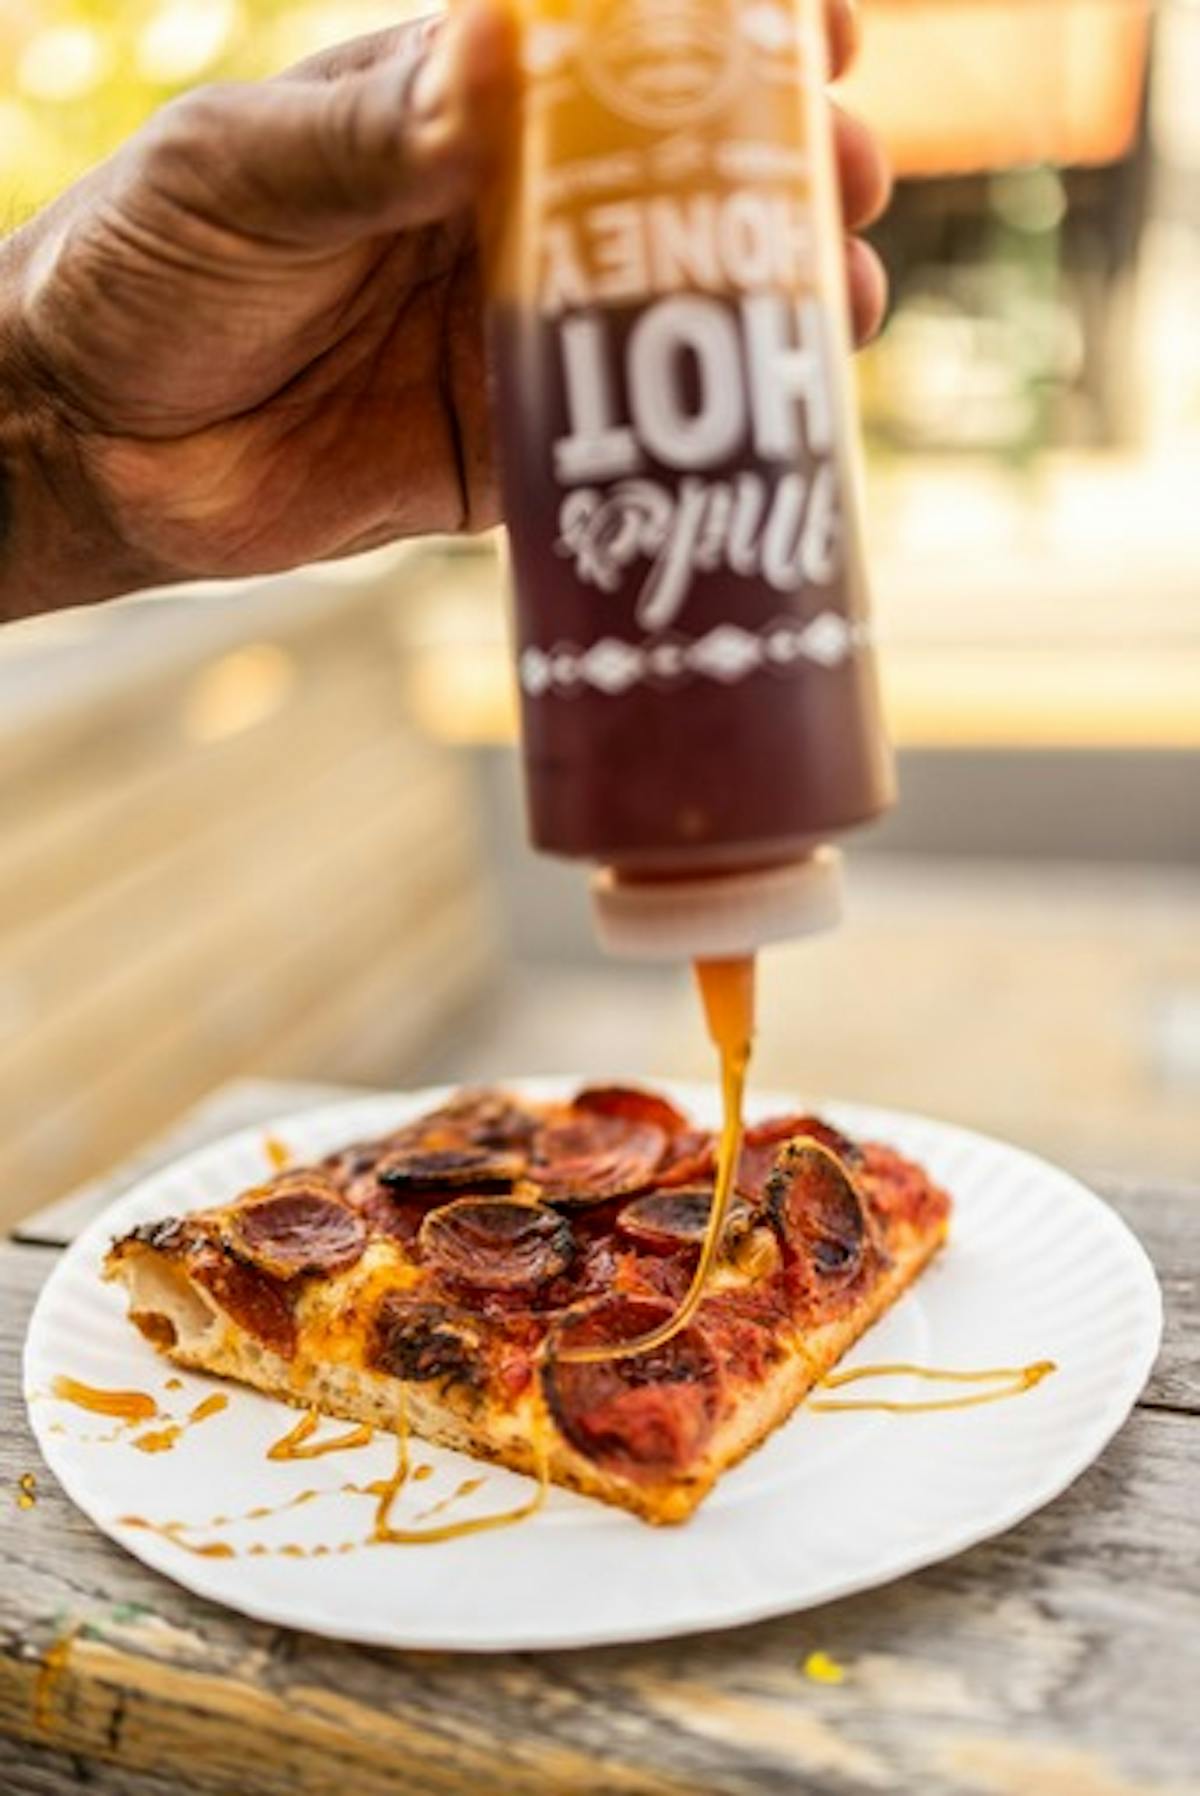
665	355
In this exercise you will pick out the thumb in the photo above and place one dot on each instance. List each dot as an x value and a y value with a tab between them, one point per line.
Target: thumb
395	146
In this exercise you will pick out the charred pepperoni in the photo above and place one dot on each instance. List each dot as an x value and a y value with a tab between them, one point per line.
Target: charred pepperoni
496	1243
586	1158
487	1119
421	1342
482	1119
762	1142
299	1225
818	1215
465	1168
257	1302
633	1105
170	1235
647	1416
665	1220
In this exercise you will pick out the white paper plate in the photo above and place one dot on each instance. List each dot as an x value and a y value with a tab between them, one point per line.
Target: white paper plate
1037	1268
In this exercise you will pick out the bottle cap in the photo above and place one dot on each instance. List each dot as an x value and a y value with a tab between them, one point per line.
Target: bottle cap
720	917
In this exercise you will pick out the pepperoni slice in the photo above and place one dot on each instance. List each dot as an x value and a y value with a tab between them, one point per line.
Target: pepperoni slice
691	1158
647	1416
633	1105
422	1342
300	1225
353	1162
464	1168
486	1119
762	1142
253	1299
497	1243
387	1213
586	1158
819	1217
483	1119
665	1220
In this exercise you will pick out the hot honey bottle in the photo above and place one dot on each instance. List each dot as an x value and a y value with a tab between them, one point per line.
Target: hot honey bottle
669	334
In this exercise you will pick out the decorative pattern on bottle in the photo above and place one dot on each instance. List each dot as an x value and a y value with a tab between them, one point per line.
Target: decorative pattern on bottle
727	654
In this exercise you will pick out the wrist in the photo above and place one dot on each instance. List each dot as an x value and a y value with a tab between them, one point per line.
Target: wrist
58	546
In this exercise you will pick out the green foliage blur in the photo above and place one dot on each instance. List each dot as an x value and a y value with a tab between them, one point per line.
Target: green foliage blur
77	76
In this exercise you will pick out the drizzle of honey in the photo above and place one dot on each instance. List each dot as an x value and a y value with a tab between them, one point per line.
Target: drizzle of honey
277	1152
467	1488
173	1384
158	1440
129	1406
421	1472
209	1406
1009	1381
295	1444
384	1490
727	991
384	1534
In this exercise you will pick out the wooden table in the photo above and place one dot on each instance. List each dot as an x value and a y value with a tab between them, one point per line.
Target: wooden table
1060	1660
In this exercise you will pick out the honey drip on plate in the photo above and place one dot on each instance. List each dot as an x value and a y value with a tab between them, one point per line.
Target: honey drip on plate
467	1488
384	1534
999	1382
161	1440
727	991
383	1490
295	1444
158	1440
127	1406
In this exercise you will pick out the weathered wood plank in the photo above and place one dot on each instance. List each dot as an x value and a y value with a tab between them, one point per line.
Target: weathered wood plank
1057	1659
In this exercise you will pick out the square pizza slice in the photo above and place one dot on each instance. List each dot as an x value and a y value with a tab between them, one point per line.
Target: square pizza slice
440	1279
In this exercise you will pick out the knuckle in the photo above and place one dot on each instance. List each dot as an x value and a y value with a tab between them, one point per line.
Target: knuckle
195	121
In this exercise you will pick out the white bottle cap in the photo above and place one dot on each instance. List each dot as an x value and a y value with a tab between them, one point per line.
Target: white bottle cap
720	917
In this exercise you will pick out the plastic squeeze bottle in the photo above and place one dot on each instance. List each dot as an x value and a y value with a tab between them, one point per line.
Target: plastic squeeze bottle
669	332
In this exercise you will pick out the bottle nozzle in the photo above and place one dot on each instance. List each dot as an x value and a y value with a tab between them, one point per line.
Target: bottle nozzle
720	916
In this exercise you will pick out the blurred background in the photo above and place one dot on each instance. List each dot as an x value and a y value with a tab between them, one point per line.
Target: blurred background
276	829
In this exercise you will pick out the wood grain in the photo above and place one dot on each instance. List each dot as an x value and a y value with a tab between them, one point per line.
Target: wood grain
1061	1659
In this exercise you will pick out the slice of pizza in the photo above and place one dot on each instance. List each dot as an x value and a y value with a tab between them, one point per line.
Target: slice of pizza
436	1279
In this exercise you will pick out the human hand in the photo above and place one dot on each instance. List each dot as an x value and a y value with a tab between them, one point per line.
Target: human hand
253	338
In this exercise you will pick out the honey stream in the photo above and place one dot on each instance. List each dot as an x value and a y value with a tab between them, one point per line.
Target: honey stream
727	991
